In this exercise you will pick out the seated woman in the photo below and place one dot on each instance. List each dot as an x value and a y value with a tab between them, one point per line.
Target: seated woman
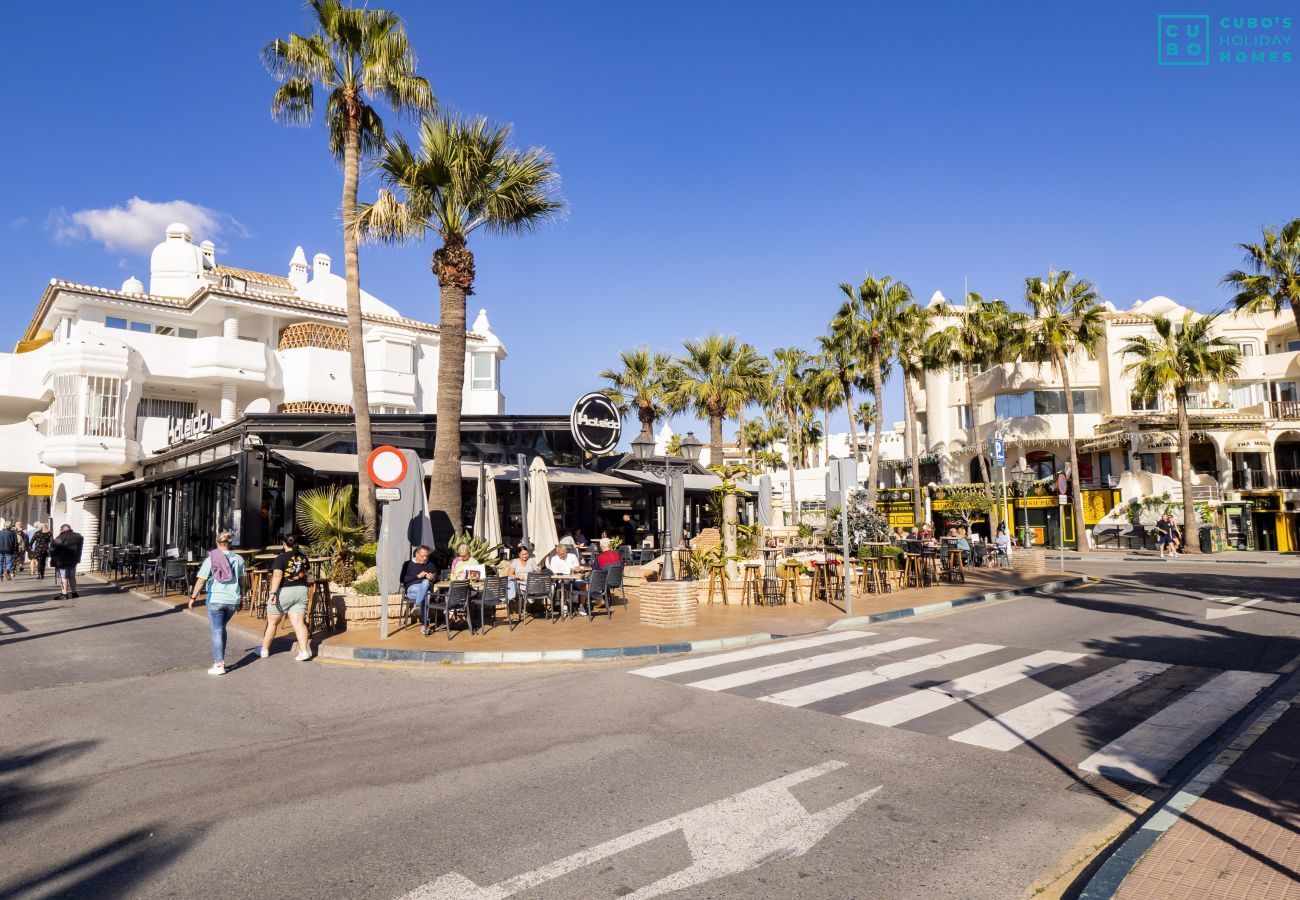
463	564
521	567
1001	543
417	577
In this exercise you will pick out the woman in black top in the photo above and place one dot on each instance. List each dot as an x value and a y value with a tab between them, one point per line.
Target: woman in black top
290	573
41	548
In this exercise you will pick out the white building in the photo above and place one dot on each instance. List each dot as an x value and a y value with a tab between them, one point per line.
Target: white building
101	375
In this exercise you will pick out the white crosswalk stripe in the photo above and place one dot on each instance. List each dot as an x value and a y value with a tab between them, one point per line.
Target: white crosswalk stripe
922	703
735	656
1148	751
1030	720
856	681
794	666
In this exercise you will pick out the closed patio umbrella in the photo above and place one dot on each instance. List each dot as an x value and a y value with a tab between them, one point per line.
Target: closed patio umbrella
490	527
541	515
764	503
676	510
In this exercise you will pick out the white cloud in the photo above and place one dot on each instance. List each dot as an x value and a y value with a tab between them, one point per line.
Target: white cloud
139	225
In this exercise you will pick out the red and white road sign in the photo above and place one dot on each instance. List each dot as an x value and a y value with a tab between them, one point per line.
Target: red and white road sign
386	466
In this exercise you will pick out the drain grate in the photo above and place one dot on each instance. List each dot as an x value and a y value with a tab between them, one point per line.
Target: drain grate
1113	789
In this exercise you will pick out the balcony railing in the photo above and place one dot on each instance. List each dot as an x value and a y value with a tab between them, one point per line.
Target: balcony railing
1249	479
1288	479
314	334
1284	409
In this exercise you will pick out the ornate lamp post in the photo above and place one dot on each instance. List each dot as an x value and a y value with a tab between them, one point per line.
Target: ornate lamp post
643	449
1023	477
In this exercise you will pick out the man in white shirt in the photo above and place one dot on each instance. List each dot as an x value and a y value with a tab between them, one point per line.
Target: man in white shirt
566	563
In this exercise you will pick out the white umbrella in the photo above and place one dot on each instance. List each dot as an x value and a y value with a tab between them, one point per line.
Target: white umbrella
541	515
490	528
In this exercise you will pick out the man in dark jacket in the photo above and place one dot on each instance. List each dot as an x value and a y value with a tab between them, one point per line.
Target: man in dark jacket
10	544
65	553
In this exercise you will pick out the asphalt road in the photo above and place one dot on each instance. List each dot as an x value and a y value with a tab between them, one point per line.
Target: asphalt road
125	770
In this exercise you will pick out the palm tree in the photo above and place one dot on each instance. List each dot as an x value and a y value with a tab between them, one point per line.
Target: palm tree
844	369
1180	356
713	378
909	333
462	176
673	446
1274	280
754	436
866	411
984	335
1067	319
639	385
786	401
325	515
753	361
871	311
358	55
822	393
810	434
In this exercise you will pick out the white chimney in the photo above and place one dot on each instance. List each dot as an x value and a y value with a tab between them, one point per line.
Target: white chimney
298	268
176	264
320	265
209	251
133	285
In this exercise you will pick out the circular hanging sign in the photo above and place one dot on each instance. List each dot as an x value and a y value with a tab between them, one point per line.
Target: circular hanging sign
595	423
1062	486
386	466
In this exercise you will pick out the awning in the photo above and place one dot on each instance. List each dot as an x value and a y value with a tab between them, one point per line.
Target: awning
1157	440
147	480
346	463
1248	442
567	476
691	481
1103	442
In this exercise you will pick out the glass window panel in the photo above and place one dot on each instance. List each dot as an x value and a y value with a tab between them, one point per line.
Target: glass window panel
115	322
143	327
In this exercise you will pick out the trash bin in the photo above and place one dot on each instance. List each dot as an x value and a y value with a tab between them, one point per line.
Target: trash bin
1207	538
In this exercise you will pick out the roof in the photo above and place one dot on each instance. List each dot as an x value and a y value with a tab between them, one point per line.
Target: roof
188	304
251	277
346	464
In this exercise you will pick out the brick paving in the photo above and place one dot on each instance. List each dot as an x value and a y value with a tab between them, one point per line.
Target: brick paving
1241	839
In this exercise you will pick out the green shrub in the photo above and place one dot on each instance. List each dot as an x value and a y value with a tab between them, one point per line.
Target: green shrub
365	554
368	588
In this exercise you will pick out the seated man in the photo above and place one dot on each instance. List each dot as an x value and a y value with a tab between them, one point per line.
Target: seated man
566	563
608	555
520	568
417	577
1001	543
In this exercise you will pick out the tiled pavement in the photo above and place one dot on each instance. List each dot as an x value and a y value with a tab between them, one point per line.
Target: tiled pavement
1241	839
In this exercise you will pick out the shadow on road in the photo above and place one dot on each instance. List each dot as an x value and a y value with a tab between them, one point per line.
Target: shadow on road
44	634
110	869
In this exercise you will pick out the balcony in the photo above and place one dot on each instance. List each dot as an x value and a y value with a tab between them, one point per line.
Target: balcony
314	334
1283	409
1288	479
1249	479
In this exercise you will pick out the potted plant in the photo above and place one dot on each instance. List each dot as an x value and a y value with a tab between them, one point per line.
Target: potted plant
329	519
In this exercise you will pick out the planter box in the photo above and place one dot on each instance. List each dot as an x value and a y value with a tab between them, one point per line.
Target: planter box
1030	560
360	608
666	604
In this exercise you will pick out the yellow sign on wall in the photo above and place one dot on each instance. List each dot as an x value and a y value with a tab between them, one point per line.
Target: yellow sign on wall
40	485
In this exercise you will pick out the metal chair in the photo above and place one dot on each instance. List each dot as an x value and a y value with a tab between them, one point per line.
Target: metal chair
615	583
456	599
594	590
173	573
491	596
773	592
539	589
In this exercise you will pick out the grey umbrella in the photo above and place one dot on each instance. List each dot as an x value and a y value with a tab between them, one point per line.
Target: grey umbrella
764	501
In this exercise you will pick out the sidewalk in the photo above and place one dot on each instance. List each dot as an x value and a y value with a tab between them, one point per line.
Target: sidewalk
1242	837
1227	557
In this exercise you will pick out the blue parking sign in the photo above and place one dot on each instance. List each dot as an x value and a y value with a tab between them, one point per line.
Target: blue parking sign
1000	452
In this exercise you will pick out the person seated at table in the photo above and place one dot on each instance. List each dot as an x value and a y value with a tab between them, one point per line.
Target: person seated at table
566	538
957	538
579	539
463	564
417	577
566	563
521	567
608	555
1001	543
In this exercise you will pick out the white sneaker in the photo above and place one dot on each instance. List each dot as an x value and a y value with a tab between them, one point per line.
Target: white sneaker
303	656
261	651
582	610
217	669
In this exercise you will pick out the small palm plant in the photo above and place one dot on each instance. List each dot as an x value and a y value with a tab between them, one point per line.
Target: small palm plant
329	519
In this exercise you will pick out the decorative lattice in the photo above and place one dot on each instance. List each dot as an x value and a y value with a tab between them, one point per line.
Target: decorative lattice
300	407
314	334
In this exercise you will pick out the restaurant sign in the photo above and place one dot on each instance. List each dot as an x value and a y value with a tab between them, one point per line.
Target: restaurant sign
595	423
186	429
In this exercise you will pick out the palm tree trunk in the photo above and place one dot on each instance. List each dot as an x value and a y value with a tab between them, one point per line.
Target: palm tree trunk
853	425
1191	536
715	439
647	416
878	391
914	450
789	458
975	429
445	484
1076	491
730	517
356	344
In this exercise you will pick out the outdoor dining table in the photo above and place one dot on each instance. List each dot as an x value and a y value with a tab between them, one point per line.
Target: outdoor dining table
564	589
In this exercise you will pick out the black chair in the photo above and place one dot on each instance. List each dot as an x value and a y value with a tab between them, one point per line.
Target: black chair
455	599
539	589
596	590
773	592
173	573
615	583
625	553
490	597
408	605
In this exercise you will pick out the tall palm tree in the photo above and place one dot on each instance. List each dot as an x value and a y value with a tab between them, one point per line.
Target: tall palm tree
639	385
871	309
754	436
786	402
866	411
752	361
843	368
1179	357
1066	320
822	394
909	333
462	175
713	377
358	56
1273	282
983	335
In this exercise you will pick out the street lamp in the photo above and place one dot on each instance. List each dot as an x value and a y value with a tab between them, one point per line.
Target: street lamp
643	451
1023	477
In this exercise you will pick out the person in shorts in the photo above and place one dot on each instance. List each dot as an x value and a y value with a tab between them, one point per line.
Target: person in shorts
1165	535
290	572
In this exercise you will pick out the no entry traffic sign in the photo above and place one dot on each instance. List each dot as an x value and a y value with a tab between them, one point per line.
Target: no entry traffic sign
386	466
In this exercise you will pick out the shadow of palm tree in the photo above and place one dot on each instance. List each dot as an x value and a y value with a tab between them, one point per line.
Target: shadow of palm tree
109	869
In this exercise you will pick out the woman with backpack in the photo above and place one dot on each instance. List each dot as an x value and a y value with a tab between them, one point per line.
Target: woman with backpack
288	597
221	574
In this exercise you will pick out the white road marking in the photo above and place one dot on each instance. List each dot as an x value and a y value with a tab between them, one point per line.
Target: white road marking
833	687
1234	609
794	666
1148	751
722	659
761	825
922	703
1013	728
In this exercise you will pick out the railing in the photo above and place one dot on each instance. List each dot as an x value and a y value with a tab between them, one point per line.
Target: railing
314	334
1284	409
1249	479
1288	479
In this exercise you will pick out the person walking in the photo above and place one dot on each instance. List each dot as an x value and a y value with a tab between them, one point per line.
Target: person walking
9	544
288	597
20	561
65	554
41	549
221	574
1165	535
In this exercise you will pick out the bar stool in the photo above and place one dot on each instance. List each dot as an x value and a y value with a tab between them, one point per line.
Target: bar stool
913	570
956	569
788	572
751	582
718	576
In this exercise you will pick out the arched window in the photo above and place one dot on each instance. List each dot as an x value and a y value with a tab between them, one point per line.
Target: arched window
1041	463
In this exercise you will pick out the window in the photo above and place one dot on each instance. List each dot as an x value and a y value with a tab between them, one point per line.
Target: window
1044	403
963	416
164	330
1246	348
1243	395
190	333
388	410
115	322
1141	403
484	372
142	327
1292	346
1086	400
102	396
164	408
1014	406
63	411
398	357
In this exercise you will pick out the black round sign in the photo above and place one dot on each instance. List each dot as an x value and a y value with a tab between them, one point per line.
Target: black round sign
595	423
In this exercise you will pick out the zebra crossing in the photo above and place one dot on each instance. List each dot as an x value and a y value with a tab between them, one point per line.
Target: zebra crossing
1128	719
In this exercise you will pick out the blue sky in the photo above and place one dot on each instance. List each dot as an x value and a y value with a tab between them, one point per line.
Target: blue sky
727	164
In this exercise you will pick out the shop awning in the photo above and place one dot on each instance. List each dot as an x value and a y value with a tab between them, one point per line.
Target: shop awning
1248	442
147	480
691	481
1157	440
565	476
346	463
1103	442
